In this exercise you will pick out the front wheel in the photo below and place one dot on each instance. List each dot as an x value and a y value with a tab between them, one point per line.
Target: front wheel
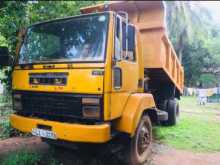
140	143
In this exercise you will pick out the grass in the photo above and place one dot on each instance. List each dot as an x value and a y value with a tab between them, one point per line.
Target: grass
197	129
22	158
190	104
28	158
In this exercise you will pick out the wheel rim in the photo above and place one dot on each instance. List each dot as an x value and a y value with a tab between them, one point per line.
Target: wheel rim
144	139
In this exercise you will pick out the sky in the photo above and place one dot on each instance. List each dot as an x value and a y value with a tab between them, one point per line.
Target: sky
214	7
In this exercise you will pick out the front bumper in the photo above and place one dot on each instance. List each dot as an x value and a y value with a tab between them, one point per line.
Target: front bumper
65	131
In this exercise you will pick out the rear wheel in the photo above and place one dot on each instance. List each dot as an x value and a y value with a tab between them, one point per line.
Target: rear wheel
173	112
140	145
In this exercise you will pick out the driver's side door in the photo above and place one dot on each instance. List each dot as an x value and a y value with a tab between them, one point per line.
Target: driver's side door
124	71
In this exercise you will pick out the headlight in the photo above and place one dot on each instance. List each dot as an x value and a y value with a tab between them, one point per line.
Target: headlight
92	112
91	107
17	102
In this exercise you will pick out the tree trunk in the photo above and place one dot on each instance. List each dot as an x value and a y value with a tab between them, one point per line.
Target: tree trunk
180	45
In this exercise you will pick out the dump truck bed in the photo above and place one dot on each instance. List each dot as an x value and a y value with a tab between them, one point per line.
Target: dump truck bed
159	55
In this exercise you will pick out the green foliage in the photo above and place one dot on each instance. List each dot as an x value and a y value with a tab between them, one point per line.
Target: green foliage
208	80
212	44
197	130
195	37
3	41
193	60
5	129
46	10
12	18
22	158
1	75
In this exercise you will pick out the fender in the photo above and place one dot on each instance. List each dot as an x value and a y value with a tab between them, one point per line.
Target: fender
135	107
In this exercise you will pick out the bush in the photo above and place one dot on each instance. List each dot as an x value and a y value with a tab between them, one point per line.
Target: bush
5	129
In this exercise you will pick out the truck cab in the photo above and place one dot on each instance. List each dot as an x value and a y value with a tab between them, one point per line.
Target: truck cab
77	69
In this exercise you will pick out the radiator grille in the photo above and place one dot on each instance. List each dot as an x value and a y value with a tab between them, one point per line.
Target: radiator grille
51	105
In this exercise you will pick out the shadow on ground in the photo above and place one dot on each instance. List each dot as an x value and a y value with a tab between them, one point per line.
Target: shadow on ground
90	156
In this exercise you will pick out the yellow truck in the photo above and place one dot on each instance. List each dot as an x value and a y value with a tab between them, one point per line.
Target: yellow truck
110	72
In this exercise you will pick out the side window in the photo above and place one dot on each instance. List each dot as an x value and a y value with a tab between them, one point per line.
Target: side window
118	39
123	36
131	42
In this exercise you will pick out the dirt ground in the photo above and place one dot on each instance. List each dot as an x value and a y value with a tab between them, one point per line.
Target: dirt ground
18	143
161	154
177	157
168	156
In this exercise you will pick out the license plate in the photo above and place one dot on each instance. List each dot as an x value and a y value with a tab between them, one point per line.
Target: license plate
44	133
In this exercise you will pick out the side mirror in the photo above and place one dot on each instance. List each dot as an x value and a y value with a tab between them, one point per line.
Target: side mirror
5	58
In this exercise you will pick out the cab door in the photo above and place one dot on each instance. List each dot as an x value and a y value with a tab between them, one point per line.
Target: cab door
124	67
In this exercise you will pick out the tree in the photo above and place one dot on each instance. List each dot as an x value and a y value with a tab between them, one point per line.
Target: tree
12	18
185	21
46	10
195	38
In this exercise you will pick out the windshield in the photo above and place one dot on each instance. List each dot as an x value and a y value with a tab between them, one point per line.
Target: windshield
71	40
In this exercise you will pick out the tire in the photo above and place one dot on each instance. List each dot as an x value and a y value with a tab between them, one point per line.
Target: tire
173	112
177	113
138	153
